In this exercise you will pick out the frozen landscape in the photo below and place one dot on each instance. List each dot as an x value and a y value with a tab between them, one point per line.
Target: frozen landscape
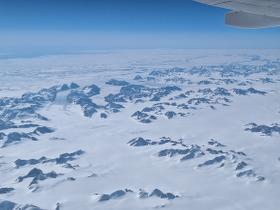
141	130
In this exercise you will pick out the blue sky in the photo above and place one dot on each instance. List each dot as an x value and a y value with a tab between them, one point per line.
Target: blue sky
112	24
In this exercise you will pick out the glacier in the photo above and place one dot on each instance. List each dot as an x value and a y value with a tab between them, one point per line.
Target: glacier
141	129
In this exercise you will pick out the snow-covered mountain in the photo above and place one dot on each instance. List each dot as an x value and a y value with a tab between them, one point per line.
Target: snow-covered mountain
141	130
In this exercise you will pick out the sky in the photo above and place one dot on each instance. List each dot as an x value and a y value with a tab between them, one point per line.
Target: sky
57	25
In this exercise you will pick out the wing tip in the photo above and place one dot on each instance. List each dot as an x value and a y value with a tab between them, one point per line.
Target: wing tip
250	21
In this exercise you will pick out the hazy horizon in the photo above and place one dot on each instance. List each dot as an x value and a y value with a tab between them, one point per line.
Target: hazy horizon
64	26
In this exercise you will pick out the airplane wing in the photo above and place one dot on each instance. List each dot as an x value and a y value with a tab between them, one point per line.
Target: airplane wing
249	13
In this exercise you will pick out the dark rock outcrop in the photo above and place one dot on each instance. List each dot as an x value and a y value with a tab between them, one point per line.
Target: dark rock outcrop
158	193
213	161
62	159
5	190
115	82
264	129
115	195
38	175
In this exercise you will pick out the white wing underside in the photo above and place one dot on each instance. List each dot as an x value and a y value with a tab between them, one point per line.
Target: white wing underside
249	13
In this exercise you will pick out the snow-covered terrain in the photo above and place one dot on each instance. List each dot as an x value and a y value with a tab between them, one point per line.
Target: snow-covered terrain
146	129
